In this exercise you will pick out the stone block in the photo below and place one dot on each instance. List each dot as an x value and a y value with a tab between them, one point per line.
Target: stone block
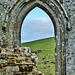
26	68
2	56
16	68
2	69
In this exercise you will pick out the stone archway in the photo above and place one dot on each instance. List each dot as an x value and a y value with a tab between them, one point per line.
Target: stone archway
59	17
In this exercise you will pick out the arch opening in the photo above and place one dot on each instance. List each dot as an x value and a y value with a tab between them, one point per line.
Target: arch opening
60	22
40	24
30	8
38	15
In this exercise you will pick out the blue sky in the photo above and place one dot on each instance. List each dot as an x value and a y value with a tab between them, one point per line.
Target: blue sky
36	25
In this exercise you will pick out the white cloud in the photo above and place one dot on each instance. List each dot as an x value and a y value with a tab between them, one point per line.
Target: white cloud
37	29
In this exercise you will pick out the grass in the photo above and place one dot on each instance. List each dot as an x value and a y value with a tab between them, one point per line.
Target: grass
43	44
46	57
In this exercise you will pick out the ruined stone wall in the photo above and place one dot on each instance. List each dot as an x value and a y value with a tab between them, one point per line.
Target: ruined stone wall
69	6
4	30
6	39
18	61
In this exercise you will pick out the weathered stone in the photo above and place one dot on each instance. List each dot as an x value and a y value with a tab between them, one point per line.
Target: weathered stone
62	13
13	63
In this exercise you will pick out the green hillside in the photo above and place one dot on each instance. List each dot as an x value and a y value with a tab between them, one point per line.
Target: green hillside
46	56
43	44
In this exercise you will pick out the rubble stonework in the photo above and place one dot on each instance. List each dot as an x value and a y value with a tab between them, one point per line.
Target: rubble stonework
62	13
19	61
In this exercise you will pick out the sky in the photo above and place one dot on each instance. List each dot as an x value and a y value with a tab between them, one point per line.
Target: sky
36	25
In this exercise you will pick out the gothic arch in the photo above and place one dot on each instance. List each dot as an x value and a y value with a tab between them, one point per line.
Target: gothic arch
59	18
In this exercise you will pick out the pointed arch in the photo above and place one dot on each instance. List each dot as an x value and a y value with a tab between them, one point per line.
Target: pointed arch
32	6
34	20
59	18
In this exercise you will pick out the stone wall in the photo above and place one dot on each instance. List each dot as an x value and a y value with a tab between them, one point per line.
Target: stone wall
62	13
69	5
18	61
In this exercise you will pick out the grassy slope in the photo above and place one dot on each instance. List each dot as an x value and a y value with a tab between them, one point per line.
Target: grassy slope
46	57
43	44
